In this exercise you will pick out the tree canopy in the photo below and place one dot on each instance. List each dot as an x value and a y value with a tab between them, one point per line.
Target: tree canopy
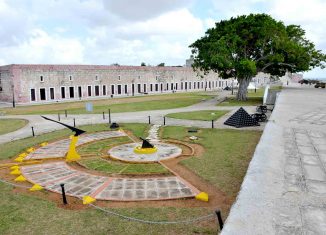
245	45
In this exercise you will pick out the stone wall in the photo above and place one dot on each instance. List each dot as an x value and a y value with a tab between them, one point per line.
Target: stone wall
100	81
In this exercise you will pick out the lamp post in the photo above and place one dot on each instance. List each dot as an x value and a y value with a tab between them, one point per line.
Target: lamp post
232	85
13	96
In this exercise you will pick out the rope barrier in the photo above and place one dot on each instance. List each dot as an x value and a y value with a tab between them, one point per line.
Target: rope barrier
200	218
205	217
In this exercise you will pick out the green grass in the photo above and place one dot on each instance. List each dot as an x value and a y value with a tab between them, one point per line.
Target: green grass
13	148
110	167
226	158
29	214
10	125
254	99
205	115
128	104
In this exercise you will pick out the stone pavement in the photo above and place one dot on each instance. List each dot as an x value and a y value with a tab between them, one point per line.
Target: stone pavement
79	184
125	152
58	149
284	190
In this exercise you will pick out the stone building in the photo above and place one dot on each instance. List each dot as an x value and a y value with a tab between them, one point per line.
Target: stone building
27	84
50	83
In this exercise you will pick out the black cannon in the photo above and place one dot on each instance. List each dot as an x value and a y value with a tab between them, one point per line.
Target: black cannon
261	109
259	117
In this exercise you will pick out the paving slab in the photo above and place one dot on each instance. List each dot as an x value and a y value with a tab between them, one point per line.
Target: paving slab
79	184
284	190
59	148
126	152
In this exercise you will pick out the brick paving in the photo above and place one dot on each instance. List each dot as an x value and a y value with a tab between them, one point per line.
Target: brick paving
284	190
59	148
78	184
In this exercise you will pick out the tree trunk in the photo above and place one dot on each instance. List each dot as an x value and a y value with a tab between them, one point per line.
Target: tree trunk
243	87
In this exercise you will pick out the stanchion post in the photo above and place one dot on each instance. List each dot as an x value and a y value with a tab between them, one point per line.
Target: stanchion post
64	199
103	115
74	122
66	114
219	218
110	116
59	117
33	131
212	124
164	120
149	119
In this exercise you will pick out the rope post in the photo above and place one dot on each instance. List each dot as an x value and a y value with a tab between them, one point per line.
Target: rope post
33	131
110	116
64	199
66	114
164	120
212	124
74	122
219	218
149	119
103	115
58	116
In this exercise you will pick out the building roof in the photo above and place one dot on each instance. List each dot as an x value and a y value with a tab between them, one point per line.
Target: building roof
92	67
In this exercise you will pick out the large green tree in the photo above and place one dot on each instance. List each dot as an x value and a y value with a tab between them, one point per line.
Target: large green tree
243	46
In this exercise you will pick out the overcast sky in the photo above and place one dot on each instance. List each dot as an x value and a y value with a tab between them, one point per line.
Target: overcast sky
133	31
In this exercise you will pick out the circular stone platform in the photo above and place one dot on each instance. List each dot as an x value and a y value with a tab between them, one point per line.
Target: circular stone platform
125	152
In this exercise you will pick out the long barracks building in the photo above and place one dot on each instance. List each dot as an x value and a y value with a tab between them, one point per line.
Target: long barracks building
25	84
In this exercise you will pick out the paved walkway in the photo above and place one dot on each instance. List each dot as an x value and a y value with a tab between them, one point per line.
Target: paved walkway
79	184
284	191
43	126
58	149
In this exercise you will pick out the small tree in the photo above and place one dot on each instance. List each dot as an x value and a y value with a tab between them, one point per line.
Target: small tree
161	65
243	46
142	64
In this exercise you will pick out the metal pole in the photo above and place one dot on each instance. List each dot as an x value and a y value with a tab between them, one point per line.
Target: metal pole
33	131
219	218
66	113
212	124
13	96
58	116
110	116
74	122
103	115
149	119
64	199
164	120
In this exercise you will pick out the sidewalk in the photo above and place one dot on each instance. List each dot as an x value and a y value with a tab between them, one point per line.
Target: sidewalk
284	191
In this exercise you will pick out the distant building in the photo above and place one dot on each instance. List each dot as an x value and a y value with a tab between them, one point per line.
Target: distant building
190	61
27	84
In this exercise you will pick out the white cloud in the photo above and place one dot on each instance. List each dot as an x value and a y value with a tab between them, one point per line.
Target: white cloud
44	48
129	32
143	9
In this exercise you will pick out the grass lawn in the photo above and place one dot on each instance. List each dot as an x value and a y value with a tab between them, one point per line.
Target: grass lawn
109	166
224	164
28	214
254	98
10	125
226	158
128	104
205	115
